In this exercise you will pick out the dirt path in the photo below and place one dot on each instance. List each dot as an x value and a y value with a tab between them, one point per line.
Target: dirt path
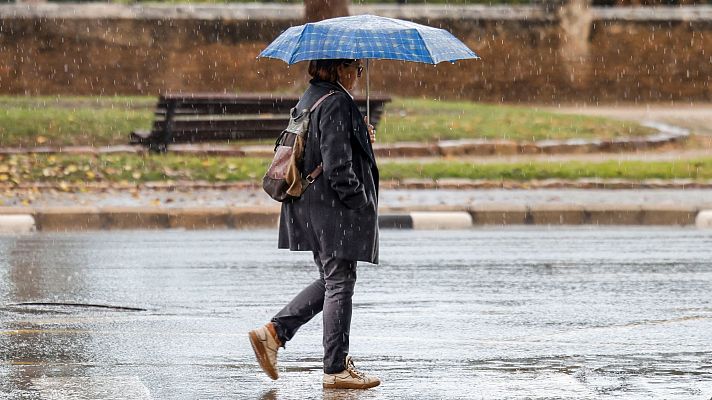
695	117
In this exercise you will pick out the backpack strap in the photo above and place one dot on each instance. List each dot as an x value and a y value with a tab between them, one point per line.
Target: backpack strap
315	174
321	99
319	168
287	138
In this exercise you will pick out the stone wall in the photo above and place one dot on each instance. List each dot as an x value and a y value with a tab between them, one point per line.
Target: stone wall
529	54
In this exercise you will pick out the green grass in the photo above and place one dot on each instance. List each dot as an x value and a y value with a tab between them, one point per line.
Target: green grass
487	2
700	169
127	168
428	120
98	121
137	169
458	2
58	121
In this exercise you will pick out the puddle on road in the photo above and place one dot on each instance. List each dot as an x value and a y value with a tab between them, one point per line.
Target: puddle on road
40	307
76	388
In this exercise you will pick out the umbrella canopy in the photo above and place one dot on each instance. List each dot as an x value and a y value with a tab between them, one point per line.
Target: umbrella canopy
367	37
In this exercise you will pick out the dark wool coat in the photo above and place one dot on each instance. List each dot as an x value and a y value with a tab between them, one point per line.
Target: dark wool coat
337	214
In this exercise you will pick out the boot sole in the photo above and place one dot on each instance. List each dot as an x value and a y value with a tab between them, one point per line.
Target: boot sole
261	355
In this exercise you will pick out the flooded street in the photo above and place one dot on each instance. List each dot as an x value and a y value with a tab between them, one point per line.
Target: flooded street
516	313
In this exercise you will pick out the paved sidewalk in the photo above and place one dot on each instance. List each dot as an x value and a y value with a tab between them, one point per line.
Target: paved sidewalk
400	199
401	209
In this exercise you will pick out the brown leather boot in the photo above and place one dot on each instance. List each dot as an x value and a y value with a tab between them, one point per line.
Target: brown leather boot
350	378
265	343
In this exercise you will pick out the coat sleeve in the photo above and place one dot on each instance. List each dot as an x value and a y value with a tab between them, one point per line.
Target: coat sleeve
336	130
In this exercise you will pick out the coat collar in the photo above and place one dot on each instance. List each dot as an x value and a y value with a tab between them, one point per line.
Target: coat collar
360	131
344	89
325	86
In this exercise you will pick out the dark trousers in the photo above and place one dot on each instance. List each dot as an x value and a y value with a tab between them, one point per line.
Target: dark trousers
332	294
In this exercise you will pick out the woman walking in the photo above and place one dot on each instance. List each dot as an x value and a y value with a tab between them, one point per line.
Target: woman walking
336	219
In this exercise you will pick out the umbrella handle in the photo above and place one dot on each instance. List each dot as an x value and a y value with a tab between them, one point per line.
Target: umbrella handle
368	95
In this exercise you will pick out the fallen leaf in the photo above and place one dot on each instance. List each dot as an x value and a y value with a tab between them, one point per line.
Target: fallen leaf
41	139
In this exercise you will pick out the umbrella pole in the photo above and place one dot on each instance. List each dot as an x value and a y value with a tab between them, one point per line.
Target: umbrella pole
368	94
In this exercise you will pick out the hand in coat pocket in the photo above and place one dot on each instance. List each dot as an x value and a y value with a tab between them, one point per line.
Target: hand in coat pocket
369	204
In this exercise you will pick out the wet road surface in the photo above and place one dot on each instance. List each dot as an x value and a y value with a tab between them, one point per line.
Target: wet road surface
575	313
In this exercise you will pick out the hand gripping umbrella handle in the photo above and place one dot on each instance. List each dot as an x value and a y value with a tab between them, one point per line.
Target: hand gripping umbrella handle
368	95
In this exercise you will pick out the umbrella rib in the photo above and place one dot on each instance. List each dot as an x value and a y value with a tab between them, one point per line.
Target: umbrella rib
430	53
298	45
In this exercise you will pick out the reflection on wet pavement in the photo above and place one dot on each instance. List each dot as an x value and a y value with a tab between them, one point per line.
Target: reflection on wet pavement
574	313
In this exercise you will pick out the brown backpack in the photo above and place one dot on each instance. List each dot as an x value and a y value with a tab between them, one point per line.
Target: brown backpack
283	180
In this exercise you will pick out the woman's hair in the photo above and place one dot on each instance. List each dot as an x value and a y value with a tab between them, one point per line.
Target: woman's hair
326	69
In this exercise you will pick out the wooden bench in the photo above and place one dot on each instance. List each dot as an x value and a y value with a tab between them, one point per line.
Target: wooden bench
203	117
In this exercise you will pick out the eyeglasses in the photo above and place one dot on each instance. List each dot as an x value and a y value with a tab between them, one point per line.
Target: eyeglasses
359	68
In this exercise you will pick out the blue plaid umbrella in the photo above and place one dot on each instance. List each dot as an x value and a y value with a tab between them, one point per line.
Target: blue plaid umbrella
367	37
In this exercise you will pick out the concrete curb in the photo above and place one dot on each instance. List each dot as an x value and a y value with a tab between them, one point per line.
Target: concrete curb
441	220
115	218
666	135
252	11
406	184
23	219
593	183
704	219
17	223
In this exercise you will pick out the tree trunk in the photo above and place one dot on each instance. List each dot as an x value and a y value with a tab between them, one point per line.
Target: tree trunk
317	10
575	21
